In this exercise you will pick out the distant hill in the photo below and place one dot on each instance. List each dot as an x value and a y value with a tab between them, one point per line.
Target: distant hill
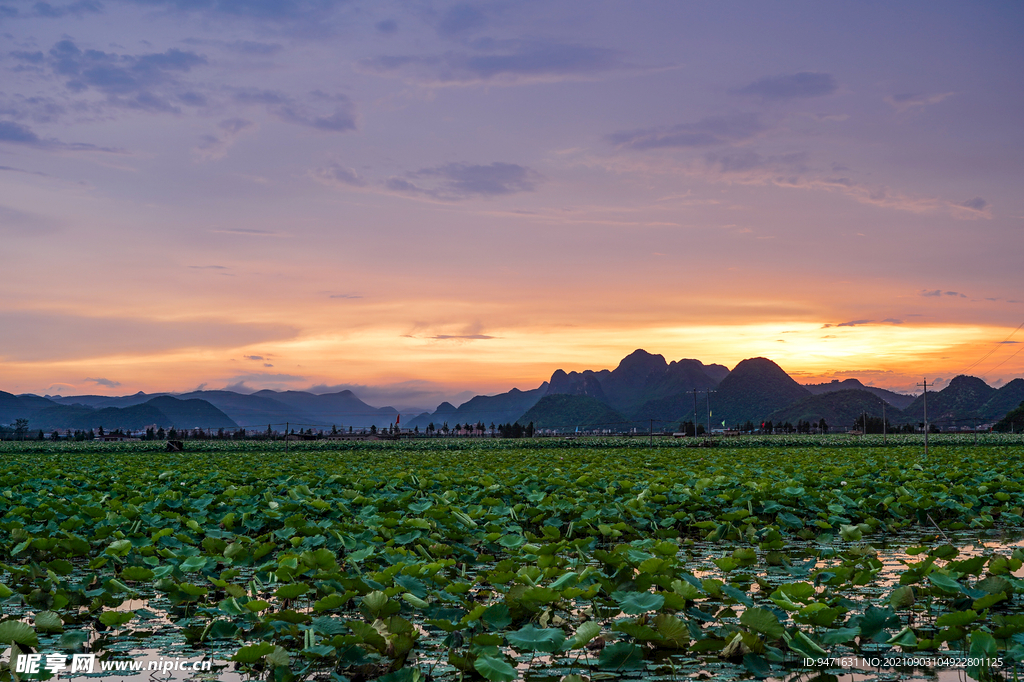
133	417
566	412
899	400
11	408
1006	398
189	414
162	411
503	408
753	390
63	417
251	411
1013	421
958	402
839	409
341	409
98	401
83	418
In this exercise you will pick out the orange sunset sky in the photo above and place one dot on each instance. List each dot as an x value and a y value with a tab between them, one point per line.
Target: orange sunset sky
426	201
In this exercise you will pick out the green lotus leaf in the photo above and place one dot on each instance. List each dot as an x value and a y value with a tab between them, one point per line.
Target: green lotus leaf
48	621
291	591
621	656
635	603
764	622
19	633
116	618
494	669
531	638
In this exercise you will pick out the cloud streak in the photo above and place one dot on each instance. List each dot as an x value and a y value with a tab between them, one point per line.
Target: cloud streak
792	86
215	146
332	113
905	102
143	81
104	382
506	62
15	133
451	182
708	132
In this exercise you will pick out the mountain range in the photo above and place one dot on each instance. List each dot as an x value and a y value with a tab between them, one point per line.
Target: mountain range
198	409
643	387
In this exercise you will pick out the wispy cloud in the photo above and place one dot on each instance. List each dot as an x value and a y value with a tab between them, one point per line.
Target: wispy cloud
248	232
459	181
791	86
905	102
14	222
794	170
336	174
57	11
15	133
462	336
251	382
331	113
504	62
270	13
100	381
859	323
710	131
215	146
387	26
975	204
142	81
939	292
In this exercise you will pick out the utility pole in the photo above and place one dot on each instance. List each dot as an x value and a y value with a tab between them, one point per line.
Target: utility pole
651	436
708	393
884	426
925	384
694	413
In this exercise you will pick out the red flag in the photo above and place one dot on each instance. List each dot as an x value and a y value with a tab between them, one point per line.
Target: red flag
398	418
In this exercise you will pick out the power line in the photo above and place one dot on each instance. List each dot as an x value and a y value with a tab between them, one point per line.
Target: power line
994	349
1011	357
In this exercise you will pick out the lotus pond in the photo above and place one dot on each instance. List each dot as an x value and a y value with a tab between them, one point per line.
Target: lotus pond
505	560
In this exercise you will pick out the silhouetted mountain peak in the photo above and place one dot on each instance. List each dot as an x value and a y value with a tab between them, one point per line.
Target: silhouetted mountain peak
576	383
965	383
641	364
756	366
754	389
962	399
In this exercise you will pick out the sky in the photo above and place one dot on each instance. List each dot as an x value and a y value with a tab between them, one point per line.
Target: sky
422	201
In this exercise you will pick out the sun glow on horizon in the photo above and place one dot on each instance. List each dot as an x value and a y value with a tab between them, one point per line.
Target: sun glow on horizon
892	356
